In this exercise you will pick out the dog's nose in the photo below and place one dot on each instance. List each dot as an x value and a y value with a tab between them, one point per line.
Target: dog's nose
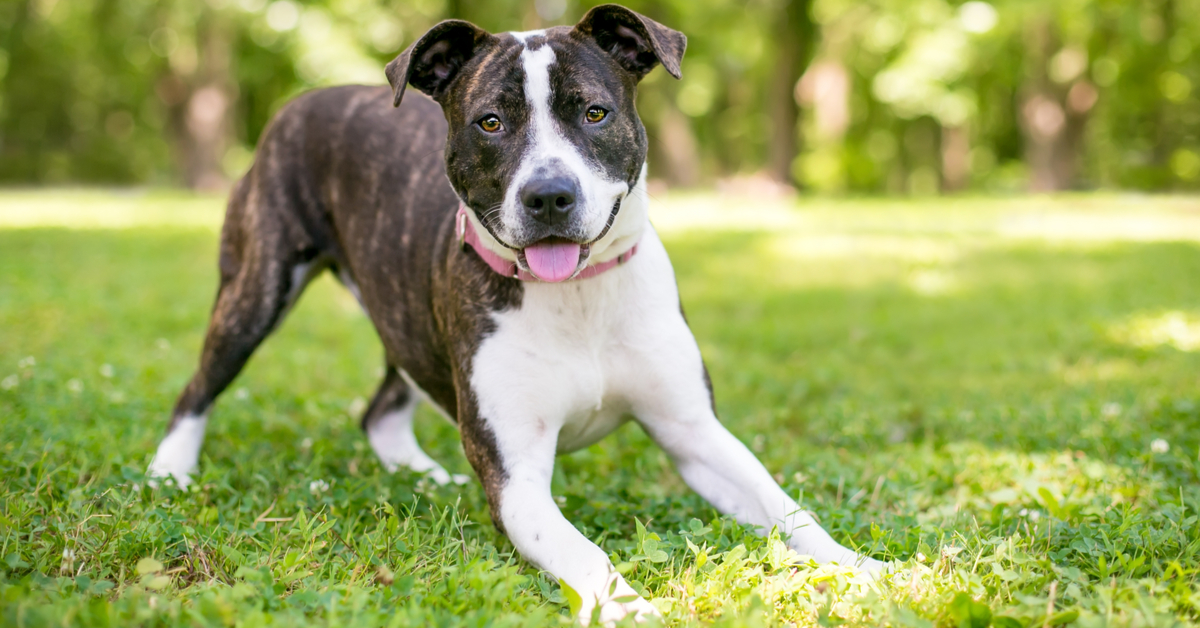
549	201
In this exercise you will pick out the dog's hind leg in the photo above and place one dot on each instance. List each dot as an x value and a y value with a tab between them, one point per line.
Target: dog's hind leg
264	266
388	423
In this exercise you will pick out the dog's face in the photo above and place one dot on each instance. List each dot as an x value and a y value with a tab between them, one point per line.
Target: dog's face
544	138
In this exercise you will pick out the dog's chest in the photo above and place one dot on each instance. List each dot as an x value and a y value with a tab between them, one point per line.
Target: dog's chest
568	359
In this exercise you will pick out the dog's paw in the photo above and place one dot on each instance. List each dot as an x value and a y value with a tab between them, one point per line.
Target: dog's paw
158	473
441	477
178	454
617	609
861	565
874	569
617	601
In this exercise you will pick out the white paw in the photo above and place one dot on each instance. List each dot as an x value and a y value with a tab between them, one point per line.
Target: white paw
613	611
865	565
179	452
163	472
162	467
441	477
874	569
619	601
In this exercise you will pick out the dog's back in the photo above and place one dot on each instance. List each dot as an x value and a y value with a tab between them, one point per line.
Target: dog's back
342	181
354	169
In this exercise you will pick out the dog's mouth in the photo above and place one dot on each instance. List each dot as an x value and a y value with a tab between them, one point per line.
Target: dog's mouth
554	259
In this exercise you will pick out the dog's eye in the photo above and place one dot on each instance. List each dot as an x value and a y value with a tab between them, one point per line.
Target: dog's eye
491	124
595	114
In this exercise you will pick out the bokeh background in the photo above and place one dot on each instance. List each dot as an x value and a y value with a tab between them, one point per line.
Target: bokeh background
911	97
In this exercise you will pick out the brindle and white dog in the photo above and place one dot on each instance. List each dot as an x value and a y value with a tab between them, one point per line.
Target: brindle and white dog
529	300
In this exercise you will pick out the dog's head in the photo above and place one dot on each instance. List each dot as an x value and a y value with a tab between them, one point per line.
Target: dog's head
545	144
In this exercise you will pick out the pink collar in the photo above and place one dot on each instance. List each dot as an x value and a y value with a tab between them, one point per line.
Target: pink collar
467	236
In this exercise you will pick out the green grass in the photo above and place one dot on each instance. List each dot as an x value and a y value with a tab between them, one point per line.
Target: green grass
972	387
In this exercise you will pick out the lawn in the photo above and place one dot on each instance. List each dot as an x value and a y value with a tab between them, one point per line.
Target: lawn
1003	395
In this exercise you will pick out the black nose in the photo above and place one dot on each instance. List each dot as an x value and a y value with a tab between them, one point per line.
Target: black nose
549	201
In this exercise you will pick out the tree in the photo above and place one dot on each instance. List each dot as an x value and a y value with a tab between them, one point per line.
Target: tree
794	34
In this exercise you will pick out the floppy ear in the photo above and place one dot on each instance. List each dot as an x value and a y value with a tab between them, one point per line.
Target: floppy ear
434	60
635	41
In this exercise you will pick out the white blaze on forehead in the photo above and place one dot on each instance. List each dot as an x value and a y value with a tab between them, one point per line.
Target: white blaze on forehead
537	92
549	149
523	35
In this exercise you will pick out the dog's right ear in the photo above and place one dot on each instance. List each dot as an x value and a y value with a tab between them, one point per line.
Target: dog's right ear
434	60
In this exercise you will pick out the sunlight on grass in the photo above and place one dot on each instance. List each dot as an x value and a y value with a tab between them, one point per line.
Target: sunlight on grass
1062	485
921	250
1092	370
1174	328
103	209
1048	219
1066	218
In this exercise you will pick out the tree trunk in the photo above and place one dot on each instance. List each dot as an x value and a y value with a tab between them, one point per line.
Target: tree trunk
200	106
1167	132
793	45
956	158
1053	119
679	147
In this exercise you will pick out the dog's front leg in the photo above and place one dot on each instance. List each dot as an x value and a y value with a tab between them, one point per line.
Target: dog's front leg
723	471
545	538
674	405
515	465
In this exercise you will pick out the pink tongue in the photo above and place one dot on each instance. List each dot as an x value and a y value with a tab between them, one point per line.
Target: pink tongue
553	262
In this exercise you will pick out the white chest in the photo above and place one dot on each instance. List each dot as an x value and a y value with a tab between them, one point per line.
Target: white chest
569	359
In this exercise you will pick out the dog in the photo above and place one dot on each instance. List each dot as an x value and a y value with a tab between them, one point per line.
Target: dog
495	230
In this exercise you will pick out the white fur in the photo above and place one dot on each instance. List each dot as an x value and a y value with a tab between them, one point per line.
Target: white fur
523	36
179	453
393	440
563	370
549	151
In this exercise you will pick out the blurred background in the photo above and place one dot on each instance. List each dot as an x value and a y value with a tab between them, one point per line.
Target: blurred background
905	97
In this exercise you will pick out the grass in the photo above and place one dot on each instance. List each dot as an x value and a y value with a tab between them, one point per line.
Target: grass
1004	395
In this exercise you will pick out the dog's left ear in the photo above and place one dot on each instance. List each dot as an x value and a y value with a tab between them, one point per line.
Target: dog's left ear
433	61
635	41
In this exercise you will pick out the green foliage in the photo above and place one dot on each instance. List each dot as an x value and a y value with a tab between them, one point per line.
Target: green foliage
938	94
965	612
941	388
1120	70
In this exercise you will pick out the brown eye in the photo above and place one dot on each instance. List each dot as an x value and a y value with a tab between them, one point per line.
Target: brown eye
491	124
595	114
